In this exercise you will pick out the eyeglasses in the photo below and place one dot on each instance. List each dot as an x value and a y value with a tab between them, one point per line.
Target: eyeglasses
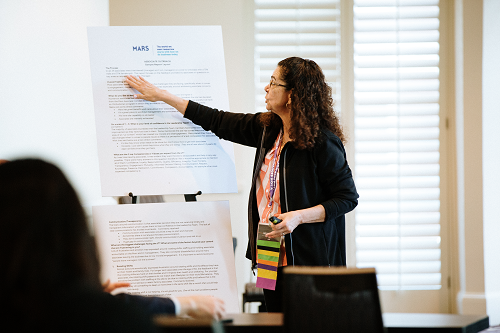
273	83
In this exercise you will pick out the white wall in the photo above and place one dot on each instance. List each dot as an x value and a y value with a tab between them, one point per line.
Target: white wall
468	29
478	159
46	105
491	157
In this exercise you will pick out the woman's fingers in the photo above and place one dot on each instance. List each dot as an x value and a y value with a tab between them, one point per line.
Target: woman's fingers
138	83
147	90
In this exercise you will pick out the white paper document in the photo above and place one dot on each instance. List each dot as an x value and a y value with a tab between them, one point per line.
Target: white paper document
149	148
169	249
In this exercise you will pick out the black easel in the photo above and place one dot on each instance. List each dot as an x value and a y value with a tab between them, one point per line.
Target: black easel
191	197
187	197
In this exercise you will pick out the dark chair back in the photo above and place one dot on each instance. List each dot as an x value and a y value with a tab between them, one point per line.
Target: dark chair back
331	299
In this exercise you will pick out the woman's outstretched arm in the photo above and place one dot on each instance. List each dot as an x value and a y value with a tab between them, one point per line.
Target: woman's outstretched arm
152	93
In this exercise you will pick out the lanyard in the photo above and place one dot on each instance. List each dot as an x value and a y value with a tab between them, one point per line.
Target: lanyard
273	177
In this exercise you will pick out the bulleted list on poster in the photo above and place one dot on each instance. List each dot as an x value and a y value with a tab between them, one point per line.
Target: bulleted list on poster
169	249
149	148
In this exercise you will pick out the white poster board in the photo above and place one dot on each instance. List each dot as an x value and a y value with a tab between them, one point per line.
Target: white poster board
149	148
169	249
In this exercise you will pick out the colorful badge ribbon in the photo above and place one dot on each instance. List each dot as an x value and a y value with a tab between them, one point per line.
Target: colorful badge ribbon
268	249
268	254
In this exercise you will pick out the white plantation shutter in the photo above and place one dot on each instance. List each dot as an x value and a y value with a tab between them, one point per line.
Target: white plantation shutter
305	28
396	116
396	120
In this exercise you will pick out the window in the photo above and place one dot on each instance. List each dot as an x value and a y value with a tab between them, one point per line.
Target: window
396	120
303	28
396	116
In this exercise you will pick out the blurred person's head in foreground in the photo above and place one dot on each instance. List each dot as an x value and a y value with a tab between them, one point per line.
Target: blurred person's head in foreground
45	244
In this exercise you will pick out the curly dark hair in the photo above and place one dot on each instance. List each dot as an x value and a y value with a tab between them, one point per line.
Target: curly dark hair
311	106
45	243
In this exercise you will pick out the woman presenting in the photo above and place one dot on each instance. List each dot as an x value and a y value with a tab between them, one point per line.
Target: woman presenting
300	176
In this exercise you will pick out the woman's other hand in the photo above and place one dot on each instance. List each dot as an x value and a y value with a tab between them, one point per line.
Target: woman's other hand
290	220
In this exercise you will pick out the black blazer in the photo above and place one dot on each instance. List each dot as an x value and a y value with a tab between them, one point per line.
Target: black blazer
308	177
